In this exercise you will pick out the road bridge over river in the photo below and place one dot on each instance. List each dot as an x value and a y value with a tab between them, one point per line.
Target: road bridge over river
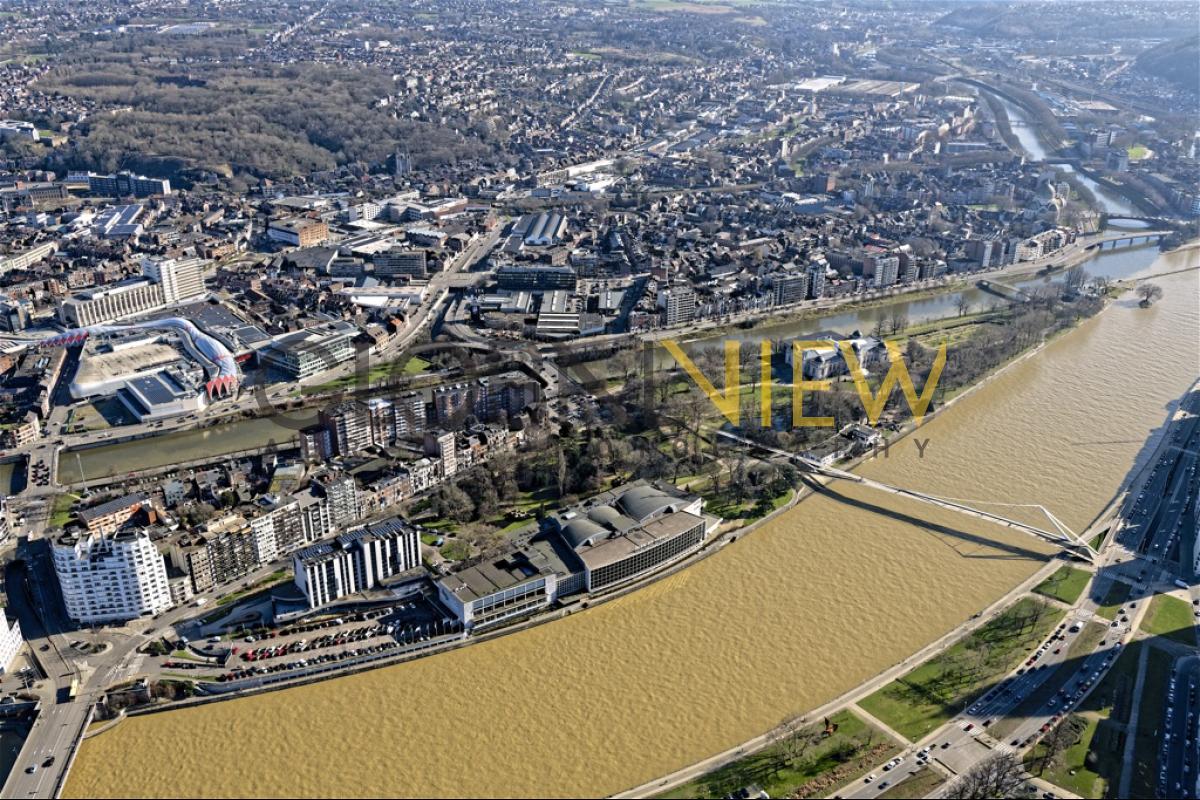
1116	241
1060	535
1005	291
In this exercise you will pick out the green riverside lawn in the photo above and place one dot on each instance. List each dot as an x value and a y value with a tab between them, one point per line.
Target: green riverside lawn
930	695
784	769
1065	585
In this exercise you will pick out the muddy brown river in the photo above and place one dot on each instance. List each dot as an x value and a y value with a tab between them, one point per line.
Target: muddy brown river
812	604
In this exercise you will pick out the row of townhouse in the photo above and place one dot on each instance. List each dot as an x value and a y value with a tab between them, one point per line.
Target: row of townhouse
233	546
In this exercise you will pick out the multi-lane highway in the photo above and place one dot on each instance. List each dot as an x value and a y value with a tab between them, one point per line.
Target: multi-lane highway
1156	541
1177	757
1057	664
1164	529
1152	552
1156	519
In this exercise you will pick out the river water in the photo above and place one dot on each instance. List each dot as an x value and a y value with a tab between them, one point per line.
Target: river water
1110	202
1115	265
7	473
159	451
814	603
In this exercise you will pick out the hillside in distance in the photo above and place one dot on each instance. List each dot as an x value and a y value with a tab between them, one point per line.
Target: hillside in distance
1052	21
260	121
1177	61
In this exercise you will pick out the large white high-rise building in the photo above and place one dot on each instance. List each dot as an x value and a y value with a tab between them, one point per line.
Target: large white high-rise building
181	279
10	640
355	561
111	578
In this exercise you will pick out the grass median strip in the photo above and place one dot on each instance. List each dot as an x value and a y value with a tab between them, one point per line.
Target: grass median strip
1092	766
919	784
1068	767
930	695
1171	618
1149	728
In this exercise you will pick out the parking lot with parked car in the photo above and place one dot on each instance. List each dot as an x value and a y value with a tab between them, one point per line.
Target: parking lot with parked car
248	653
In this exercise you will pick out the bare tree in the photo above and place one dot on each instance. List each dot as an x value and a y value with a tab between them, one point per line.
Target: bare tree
749	357
1036	612
560	472
898	321
1076	278
775	756
1027	329
694	410
1061	737
797	744
1149	292
998	777
739	484
964	305
625	363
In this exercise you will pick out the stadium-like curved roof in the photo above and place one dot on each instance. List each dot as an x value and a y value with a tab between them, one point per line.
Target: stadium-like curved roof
643	502
611	518
582	531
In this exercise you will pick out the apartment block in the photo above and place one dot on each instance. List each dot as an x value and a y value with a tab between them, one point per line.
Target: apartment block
107	579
